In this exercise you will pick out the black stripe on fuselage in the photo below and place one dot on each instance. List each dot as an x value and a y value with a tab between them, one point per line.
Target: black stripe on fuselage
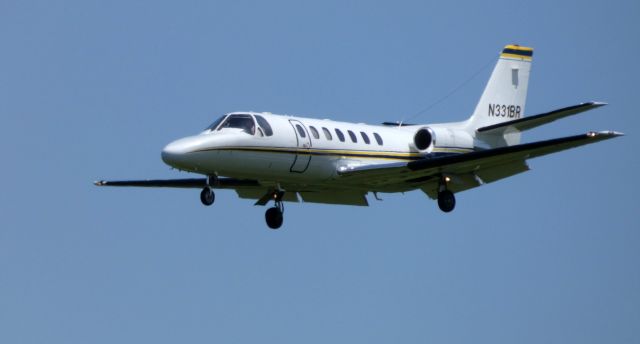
332	152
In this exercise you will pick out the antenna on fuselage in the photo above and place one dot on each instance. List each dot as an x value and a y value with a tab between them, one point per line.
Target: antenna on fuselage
452	92
396	124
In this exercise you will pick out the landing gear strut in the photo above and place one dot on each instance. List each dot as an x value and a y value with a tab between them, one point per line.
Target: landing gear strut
207	197
446	199
274	215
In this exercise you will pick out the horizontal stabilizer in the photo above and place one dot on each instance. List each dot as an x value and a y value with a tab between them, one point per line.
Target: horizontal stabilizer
531	122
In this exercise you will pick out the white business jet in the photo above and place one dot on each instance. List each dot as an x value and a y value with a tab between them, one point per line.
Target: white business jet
279	158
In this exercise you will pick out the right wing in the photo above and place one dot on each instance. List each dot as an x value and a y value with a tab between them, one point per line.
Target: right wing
469	169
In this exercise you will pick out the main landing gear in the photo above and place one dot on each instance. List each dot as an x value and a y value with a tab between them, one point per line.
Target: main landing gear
274	215
446	199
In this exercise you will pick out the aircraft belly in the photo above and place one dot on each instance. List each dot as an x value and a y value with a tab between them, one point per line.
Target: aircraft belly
276	167
320	168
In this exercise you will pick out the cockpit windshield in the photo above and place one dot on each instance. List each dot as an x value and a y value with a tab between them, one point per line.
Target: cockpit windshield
244	122
215	124
264	125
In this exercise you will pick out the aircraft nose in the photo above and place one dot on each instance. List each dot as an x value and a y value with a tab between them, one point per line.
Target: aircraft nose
173	153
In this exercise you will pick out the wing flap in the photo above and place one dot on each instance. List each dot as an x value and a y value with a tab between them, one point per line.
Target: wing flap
335	197
491	174
264	195
482	175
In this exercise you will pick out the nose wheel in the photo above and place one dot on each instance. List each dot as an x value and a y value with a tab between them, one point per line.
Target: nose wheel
207	197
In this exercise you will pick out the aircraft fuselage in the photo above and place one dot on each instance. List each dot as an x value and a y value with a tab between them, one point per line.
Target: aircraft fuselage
300	150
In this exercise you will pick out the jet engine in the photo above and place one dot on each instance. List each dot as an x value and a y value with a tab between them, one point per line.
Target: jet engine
426	139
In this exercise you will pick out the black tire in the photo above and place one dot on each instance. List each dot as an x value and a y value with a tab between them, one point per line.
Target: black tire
274	218
446	201
207	197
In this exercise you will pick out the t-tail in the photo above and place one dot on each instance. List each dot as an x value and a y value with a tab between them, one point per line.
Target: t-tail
504	97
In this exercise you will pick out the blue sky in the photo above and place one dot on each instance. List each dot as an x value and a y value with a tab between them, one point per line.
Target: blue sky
93	90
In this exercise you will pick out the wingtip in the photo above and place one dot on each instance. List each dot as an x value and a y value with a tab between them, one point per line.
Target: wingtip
597	103
608	133
99	183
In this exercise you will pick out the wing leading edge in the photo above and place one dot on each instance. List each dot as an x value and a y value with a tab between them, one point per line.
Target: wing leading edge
221	183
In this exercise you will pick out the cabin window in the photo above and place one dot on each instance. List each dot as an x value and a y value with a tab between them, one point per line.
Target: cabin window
365	137
378	138
353	136
215	124
244	122
314	132
264	125
327	133
340	135
301	131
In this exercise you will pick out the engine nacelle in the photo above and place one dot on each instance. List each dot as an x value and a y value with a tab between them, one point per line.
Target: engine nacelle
423	139
426	139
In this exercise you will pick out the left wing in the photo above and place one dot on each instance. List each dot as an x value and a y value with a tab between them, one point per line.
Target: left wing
221	183
253	189
470	169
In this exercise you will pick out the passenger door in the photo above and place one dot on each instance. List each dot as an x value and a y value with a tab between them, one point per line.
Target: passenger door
303	156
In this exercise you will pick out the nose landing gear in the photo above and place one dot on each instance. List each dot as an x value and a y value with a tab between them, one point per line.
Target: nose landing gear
207	196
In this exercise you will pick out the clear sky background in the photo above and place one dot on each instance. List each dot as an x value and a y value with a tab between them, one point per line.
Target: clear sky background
94	89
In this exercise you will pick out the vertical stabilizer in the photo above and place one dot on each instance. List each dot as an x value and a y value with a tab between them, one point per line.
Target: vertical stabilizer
505	95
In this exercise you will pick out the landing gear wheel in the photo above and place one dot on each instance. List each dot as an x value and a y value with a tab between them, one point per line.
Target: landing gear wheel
207	197
446	201
274	217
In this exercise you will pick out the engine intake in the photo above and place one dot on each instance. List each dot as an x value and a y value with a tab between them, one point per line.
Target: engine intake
423	139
